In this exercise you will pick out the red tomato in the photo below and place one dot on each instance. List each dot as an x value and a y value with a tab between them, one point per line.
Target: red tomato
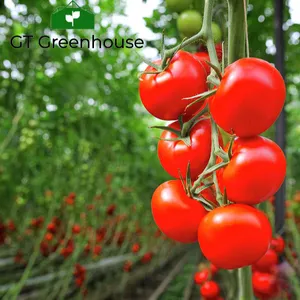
162	94
176	215
174	156
267	263
202	57
250	97
213	269
201	277
234	236
264	284
210	290
255	172
278	244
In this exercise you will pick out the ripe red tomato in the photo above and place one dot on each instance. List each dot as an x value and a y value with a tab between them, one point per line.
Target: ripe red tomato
234	236
162	94
176	215
267	263
174	156
202	57
210	290
277	244
264	285
201	277
213	269
255	172
250	97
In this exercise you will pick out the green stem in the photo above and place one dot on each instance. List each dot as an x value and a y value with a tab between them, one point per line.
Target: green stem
245	289
204	34
236	35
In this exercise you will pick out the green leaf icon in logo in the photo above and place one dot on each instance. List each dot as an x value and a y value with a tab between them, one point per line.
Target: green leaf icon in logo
72	16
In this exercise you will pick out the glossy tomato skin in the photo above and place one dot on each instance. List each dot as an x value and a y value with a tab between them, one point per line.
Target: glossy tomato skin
162	94
234	236
174	156
255	172
267	263
176	215
202	57
250	97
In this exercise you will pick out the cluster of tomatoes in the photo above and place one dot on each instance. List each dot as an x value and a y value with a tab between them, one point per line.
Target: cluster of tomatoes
266	280
209	289
246	102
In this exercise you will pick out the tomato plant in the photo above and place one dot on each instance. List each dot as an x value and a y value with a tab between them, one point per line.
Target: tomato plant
249	98
177	215
162	94
255	172
234	236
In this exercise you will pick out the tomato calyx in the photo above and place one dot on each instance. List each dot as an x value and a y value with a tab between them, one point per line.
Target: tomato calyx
185	128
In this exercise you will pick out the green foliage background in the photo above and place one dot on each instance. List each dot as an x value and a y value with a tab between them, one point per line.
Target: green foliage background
71	116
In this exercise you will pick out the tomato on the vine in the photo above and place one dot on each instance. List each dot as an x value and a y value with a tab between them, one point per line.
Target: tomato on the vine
162	94
234	236
249	98
255	172
266	263
278	245
201	277
203	57
210	290
175	155
176	215
265	285
189	23
216	32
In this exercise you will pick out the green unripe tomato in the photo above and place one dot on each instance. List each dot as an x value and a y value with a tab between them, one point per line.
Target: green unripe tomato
178	5
189	23
216	32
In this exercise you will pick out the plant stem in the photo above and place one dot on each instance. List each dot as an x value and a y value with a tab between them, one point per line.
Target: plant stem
236	36
245	289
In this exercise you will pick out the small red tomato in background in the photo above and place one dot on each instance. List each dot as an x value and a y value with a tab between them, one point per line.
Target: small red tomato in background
268	262
147	257
177	215
255	172
234	236
174	156
76	229
202	57
277	244
162	94
264	285
249	98
210	290
201	277
213	269
135	248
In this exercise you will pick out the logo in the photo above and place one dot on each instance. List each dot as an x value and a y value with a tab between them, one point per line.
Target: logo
72	16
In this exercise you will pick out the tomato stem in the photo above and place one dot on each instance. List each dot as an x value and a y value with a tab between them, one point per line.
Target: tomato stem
236	36
245	289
